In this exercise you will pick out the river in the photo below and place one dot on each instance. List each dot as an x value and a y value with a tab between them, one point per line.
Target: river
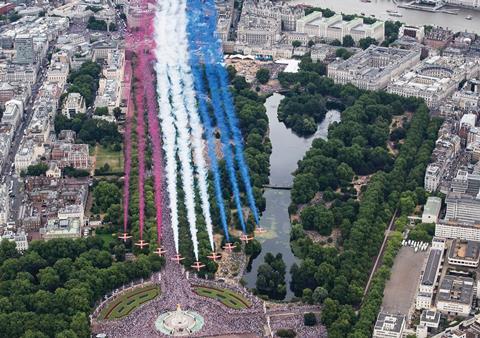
287	150
412	17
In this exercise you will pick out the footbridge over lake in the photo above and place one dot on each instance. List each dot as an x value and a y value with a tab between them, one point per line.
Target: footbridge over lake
277	187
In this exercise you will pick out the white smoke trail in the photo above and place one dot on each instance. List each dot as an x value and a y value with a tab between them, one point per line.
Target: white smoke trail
195	123
168	51
167	122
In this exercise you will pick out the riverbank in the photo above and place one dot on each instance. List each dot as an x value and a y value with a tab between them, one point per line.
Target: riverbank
378	9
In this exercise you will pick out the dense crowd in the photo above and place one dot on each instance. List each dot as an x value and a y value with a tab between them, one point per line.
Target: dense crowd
295	322
176	289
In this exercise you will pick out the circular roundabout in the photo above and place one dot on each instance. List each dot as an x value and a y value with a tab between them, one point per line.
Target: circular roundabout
179	323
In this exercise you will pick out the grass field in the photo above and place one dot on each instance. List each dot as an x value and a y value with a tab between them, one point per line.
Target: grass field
126	303
113	158
107	238
228	298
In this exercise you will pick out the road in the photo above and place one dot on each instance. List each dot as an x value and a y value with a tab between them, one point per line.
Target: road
7	171
380	253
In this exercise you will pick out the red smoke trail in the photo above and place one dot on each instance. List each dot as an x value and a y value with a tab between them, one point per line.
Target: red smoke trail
146	94
127	139
140	108
153	126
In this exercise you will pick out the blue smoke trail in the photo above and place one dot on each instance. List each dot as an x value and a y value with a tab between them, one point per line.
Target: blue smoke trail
216	50
207	123
196	13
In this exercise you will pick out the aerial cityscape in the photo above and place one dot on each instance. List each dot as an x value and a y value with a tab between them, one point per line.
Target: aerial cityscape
240	168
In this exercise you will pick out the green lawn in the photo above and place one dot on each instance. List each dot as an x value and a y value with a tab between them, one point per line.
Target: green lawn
125	304
113	158
107	238
227	297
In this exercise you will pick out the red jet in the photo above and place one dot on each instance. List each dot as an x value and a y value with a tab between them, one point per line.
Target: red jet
215	256
229	247
160	251
260	230
177	258
141	243
124	236
245	238
198	265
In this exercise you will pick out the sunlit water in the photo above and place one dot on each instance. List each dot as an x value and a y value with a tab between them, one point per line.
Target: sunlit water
287	150
411	17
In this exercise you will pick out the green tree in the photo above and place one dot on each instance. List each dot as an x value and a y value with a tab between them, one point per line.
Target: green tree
106	194
271	277
304	188
263	75
296	43
348	41
37	169
309	319
367	42
336	42
319	295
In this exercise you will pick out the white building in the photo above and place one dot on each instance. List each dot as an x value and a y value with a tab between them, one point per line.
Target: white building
20	239
318	28
416	32
64	228
431	210
374	68
465	231
431	319
434	79
74	104
429	278
464	3
13	113
4	204
455	295
464	253
432	177
25	156
389	326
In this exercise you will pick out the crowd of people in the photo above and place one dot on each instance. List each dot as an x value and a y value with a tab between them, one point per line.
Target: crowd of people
295	322
177	289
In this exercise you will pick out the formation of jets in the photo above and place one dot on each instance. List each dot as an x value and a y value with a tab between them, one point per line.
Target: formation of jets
214	256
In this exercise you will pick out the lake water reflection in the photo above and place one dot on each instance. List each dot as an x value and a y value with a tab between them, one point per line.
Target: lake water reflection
287	150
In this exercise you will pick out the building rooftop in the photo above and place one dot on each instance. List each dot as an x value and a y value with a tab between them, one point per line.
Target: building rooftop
456	289
433	206
431	269
389	322
464	250
430	316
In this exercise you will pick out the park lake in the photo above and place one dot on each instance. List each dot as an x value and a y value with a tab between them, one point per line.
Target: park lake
287	150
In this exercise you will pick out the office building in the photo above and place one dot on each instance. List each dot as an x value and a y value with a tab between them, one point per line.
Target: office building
429	277
24	51
455	295
464	253
319	28
389	326
374	68
431	210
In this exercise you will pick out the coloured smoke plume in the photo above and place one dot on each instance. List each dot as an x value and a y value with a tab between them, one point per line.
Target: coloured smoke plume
140	108
217	55
144	74
195	124
127	143
166	120
207	123
170	54
207	40
154	132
